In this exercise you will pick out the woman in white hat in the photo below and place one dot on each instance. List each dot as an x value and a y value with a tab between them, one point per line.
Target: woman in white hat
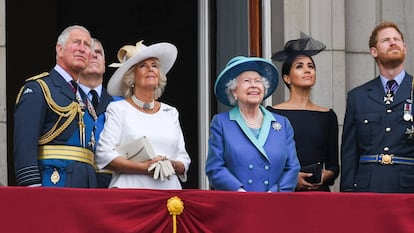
141	80
316	143
250	148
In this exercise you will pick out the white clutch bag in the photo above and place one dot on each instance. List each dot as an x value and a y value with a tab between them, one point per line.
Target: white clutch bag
138	150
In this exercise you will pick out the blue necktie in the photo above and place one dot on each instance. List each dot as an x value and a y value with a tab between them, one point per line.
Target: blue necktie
74	85
391	86
95	98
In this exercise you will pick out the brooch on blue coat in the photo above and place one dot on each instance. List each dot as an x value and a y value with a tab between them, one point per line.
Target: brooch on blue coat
276	126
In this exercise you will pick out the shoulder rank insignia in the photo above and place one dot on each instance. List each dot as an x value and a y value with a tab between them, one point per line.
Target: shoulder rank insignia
37	76
28	90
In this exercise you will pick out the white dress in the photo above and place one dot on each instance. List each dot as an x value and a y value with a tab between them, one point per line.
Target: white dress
124	123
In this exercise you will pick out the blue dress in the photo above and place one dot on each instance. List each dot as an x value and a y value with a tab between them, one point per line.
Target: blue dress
238	159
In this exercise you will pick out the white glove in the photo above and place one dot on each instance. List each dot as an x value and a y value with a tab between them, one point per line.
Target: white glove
157	169
162	169
167	168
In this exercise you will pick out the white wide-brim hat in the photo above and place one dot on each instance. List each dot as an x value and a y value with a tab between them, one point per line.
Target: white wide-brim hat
130	55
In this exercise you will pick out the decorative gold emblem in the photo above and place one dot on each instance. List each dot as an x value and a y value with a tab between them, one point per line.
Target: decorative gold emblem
386	158
55	177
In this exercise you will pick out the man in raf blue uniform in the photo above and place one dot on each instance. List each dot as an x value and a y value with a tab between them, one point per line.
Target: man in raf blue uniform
377	152
53	137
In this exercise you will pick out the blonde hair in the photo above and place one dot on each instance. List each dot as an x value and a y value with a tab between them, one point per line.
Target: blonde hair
128	81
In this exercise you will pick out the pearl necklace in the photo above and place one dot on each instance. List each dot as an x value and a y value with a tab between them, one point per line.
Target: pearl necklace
141	104
255	123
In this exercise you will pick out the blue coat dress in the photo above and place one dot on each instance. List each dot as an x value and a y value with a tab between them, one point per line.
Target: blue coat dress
372	127
33	118
237	159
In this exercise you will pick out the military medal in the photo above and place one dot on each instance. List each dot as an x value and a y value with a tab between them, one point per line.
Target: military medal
407	112
92	142
389	98
55	177
391	86
408	115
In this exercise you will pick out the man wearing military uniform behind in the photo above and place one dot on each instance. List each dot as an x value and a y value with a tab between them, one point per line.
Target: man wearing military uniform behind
90	80
377	152
52	134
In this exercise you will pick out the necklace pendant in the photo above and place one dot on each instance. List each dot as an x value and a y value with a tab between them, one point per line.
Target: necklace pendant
146	106
141	104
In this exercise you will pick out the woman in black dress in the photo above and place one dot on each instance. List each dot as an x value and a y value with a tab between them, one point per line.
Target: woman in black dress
315	127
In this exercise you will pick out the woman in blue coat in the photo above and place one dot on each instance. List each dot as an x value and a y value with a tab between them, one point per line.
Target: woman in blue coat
250	149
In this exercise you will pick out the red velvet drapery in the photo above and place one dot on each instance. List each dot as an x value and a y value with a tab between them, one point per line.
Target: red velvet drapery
135	210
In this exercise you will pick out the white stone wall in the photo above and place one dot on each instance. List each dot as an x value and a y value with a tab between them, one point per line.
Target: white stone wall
3	113
344	26
323	20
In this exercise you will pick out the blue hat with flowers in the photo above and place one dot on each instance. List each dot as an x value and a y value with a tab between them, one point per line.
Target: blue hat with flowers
240	64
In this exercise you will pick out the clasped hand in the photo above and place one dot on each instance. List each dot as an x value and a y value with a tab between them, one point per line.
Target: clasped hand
161	169
304	185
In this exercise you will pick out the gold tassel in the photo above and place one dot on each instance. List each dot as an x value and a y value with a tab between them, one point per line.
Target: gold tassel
175	207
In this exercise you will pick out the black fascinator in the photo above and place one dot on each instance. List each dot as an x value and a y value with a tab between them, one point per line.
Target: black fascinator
303	46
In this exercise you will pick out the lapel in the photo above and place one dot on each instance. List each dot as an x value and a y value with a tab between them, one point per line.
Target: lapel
376	91
83	95
61	84
264	131
104	100
404	90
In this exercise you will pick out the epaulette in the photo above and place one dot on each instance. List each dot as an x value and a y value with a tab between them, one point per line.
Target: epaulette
38	76
44	74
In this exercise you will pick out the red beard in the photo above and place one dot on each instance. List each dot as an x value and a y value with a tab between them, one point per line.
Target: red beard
391	60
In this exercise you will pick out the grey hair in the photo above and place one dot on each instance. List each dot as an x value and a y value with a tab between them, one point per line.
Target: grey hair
64	35
96	41
232	85
129	79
